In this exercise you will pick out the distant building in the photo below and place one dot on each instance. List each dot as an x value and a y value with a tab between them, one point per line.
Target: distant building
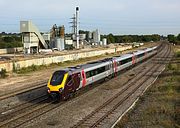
96	36
69	42
57	37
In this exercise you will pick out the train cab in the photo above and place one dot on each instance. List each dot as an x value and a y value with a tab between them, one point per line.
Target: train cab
62	83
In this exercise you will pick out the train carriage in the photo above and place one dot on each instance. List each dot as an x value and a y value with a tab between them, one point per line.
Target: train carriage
65	82
97	71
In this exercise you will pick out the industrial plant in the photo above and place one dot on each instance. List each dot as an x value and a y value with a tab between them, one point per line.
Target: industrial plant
56	39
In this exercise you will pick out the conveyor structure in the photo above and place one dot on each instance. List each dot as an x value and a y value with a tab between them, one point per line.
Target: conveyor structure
31	37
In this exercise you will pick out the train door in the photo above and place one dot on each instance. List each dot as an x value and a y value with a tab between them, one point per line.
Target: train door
133	59
145	55
115	67
69	87
83	78
76	79
111	67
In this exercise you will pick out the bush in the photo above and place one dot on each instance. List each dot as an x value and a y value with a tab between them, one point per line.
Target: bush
3	73
31	68
172	66
178	54
69	47
8	39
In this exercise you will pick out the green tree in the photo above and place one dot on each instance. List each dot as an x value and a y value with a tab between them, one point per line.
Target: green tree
171	38
155	37
127	39
8	39
110	38
178	37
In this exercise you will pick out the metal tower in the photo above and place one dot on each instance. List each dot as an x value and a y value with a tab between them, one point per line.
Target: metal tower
75	27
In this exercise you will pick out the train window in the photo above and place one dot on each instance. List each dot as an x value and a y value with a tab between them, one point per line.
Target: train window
126	60
79	76
96	71
118	63
57	78
106	67
88	74
140	55
69	80
92	73
101	69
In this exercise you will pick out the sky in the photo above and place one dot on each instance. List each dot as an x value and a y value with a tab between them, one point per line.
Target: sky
122	17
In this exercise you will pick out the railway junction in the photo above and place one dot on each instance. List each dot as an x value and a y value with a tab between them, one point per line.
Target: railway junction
99	105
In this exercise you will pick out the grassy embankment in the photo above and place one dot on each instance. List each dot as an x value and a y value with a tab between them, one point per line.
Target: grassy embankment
160	105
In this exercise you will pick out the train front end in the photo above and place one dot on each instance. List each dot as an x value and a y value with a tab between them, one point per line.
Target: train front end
56	84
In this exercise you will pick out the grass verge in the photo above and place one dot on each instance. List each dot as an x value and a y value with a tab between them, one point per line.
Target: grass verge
160	105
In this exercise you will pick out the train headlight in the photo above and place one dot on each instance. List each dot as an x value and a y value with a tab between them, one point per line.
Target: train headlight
61	90
48	90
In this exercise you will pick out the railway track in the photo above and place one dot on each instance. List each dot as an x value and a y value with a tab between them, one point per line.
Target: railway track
35	110
24	90
20	108
26	113
98	117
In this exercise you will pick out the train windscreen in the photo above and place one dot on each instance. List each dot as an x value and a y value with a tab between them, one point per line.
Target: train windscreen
57	78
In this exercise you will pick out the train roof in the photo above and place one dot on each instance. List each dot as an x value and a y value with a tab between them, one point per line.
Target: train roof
125	56
139	52
96	64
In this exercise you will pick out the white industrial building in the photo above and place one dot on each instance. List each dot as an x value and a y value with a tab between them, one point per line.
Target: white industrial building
33	40
69	41
31	37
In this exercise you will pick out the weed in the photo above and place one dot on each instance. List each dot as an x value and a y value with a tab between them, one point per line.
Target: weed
30	69
3	73
106	53
172	66
14	67
178	54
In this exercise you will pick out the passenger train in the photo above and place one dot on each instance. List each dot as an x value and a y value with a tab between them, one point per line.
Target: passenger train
67	81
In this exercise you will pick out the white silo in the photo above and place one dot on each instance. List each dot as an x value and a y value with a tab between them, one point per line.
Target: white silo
96	36
59	44
89	35
104	41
